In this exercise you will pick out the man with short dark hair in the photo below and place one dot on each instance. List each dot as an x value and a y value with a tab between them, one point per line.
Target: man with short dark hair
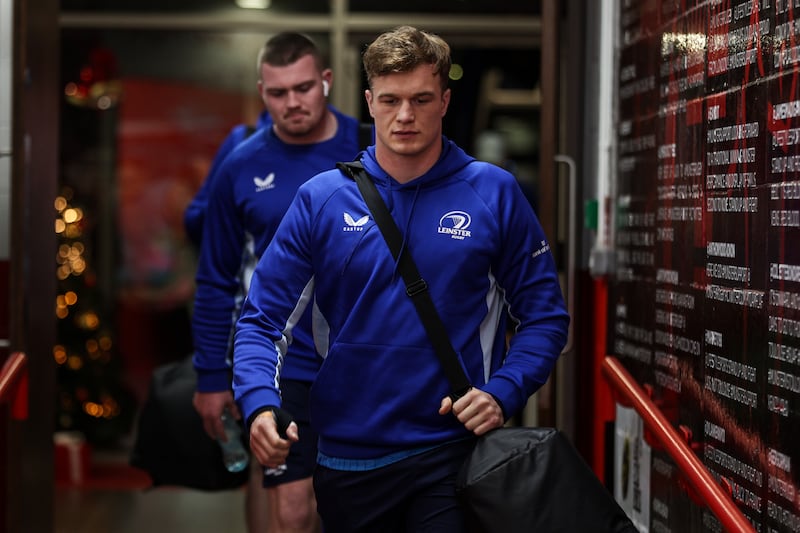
247	198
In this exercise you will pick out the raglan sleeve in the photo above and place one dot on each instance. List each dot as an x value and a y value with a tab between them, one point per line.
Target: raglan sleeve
194	215
281	288
527	272
217	283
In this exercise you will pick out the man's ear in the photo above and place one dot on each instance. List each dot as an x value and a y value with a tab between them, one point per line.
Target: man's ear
327	81
368	98
445	101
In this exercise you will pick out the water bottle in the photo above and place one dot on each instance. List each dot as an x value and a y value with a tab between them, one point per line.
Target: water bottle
234	454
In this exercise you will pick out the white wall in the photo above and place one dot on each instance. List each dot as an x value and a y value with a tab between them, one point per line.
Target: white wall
6	66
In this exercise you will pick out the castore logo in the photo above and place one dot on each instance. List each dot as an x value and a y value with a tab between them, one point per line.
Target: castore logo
266	183
354	225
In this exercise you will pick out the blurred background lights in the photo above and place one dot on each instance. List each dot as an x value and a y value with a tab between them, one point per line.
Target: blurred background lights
71	261
89	320
71	215
105	343
456	72
59	354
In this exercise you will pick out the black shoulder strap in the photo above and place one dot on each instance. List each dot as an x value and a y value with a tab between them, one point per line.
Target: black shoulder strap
249	130
364	135
416	287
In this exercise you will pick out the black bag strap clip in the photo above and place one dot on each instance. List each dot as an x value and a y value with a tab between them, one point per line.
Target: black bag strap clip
416	287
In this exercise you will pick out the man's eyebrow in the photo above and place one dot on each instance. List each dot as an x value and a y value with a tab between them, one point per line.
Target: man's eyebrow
294	87
415	95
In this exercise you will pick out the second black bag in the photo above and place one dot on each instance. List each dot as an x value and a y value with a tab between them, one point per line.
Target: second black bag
171	445
524	479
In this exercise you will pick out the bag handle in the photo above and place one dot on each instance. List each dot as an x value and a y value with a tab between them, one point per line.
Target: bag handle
416	287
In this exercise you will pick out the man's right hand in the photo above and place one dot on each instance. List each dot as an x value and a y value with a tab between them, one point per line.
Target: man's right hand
210	405
266	443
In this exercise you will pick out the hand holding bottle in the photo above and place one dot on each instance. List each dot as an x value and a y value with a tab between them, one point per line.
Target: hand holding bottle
234	454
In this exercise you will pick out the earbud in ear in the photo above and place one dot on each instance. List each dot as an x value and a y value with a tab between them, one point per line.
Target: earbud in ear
325	88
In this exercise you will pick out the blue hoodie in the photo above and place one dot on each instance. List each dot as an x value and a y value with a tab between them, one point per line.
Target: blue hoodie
195	212
247	199
479	246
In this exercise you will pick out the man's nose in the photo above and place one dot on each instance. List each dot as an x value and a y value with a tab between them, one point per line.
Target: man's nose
406	113
293	99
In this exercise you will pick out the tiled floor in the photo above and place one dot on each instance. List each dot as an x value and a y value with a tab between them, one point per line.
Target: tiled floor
114	498
154	511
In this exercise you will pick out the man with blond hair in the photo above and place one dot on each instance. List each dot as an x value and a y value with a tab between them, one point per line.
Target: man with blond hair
391	438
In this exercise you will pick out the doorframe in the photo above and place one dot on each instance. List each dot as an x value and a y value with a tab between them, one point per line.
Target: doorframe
29	462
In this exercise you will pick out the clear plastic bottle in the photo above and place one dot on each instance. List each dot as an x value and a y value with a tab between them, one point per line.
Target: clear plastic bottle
234	454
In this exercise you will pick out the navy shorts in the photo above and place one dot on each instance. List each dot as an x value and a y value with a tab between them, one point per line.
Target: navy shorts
416	494
303	454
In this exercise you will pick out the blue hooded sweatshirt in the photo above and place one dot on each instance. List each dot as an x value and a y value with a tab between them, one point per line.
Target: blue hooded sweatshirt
482	252
195	212
248	196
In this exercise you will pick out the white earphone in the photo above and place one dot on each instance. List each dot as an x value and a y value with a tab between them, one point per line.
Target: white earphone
325	88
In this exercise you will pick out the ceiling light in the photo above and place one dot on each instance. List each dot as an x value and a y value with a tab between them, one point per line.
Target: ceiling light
253	4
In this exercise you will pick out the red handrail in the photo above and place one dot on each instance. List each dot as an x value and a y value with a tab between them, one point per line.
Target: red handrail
14	385
709	490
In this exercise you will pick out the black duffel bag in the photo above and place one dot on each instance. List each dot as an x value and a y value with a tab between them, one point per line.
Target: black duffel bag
525	479
170	444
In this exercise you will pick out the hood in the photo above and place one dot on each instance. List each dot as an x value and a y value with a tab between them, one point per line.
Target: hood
451	160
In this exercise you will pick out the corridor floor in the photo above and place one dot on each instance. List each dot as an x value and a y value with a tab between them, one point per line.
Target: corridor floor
155	511
114	500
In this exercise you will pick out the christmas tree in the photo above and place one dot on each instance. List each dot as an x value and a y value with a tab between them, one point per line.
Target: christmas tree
92	397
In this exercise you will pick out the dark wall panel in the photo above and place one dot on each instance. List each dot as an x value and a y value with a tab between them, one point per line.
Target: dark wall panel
705	300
